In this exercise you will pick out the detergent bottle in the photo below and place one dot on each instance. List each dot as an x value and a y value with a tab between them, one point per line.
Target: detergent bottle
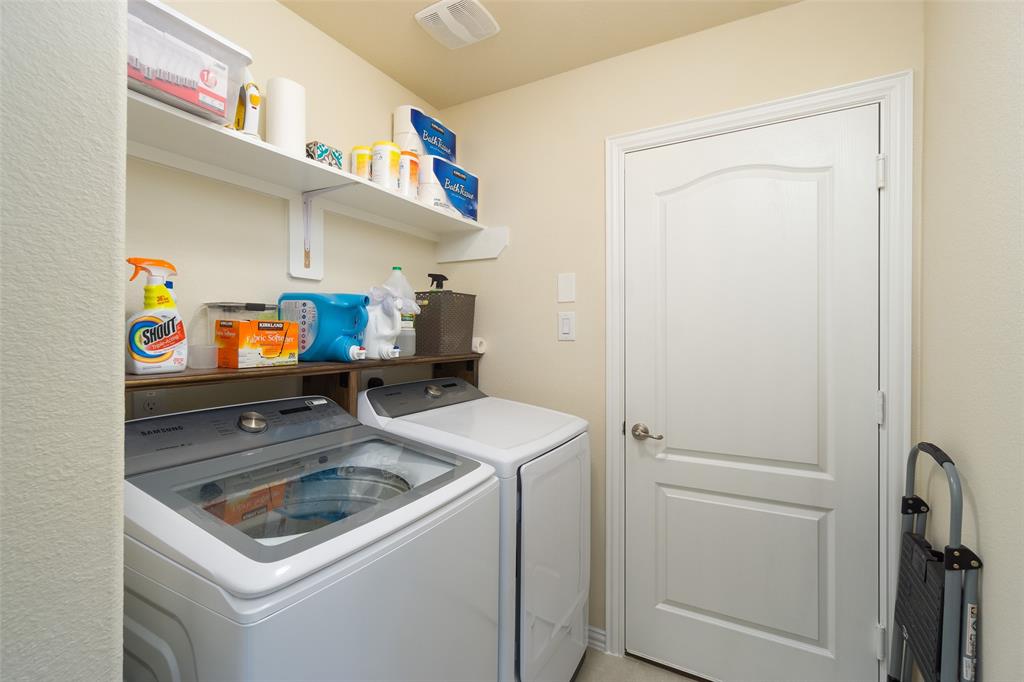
388	304
385	322
156	335
330	325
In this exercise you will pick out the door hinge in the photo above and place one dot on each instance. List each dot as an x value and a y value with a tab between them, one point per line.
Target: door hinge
881	168
880	642
623	428
880	408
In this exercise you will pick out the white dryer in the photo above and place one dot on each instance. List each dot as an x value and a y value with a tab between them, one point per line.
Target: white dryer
284	541
542	459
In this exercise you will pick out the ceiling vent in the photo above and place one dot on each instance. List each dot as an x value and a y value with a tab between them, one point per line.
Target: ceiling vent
457	23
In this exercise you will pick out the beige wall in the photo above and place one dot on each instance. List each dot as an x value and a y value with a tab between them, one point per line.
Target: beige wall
540	152
61	380
231	244
971	391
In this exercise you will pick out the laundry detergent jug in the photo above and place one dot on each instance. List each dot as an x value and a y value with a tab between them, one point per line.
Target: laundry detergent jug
381	338
388	303
330	325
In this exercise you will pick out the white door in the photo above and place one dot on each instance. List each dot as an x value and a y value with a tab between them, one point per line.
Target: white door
752	347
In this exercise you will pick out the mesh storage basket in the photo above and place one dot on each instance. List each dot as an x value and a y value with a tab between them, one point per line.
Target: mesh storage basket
445	323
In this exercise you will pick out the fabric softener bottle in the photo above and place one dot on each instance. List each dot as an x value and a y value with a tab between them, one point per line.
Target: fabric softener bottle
156	335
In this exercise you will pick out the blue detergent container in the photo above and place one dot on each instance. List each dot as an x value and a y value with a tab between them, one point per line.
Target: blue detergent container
330	325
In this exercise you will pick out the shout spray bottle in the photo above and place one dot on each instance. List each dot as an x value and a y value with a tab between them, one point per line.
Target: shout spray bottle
156	335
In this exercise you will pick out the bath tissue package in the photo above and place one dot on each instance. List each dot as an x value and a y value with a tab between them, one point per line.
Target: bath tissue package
414	131
448	187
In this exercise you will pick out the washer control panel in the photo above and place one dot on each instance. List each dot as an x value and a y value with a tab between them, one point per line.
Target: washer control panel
174	439
252	422
400	400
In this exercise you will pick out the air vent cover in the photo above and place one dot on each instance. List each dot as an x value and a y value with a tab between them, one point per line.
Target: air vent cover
457	23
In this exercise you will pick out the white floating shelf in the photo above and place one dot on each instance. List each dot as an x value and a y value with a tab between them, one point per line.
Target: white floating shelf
171	137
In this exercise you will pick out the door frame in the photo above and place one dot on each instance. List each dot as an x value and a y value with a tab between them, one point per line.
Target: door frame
895	94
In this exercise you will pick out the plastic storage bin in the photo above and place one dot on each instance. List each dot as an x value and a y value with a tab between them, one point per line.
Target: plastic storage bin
208	314
445	323
178	61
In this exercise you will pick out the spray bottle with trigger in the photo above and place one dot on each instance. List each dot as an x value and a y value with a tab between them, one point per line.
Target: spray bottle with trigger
156	340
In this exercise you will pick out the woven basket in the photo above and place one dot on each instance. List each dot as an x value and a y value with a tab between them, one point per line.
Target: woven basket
445	323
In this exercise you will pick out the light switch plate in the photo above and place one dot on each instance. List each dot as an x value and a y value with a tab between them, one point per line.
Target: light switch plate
566	326
566	287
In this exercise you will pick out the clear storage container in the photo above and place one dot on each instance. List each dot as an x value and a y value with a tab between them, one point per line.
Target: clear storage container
178	61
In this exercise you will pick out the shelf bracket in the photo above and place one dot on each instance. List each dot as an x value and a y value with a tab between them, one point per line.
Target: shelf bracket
306	235
483	245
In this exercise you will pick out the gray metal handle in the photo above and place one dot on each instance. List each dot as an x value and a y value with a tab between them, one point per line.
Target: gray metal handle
641	432
956	497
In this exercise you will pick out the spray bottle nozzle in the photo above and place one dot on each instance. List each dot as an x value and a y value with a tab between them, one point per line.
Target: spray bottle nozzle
437	281
152	267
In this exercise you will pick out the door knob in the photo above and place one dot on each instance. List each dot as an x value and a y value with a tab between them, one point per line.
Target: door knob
641	432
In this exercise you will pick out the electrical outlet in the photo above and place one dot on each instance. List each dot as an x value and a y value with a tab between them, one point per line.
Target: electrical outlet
370	378
145	403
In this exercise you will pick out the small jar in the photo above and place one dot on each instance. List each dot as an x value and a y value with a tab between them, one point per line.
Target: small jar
408	174
384	167
359	162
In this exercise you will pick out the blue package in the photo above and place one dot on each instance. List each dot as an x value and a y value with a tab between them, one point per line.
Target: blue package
447	186
437	140
415	131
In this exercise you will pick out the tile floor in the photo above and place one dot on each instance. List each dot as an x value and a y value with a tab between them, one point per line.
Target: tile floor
600	667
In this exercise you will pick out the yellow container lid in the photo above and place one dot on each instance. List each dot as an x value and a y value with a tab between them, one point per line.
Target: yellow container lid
360	148
385	143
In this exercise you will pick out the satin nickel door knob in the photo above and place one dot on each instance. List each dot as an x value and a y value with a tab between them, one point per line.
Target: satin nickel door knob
641	432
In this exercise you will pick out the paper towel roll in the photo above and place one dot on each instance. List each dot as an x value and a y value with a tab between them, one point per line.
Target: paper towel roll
479	345
286	116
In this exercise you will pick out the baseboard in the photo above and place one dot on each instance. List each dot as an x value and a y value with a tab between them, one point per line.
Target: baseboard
597	639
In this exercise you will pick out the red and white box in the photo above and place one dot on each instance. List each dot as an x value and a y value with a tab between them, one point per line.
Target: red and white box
182	63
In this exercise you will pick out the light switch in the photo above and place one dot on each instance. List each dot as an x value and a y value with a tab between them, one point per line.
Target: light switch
566	287
566	326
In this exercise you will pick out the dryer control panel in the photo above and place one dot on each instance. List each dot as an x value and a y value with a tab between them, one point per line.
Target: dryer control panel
420	396
175	439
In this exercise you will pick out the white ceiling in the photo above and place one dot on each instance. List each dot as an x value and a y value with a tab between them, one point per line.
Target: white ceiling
538	38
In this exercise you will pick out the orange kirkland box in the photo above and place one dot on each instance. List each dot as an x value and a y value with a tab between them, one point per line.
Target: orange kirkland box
257	343
244	506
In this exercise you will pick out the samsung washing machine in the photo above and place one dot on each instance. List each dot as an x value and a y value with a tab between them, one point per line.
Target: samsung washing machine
542	459
284	541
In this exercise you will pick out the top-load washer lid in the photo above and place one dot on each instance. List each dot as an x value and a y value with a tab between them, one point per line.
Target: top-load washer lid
288	485
456	416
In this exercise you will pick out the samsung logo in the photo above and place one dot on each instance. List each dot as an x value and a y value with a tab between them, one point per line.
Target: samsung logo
162	429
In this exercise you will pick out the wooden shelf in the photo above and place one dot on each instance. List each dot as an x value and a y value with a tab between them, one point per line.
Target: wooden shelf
162	134
336	380
196	377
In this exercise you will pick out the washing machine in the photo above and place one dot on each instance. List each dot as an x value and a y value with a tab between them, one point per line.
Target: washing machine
542	459
283	540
